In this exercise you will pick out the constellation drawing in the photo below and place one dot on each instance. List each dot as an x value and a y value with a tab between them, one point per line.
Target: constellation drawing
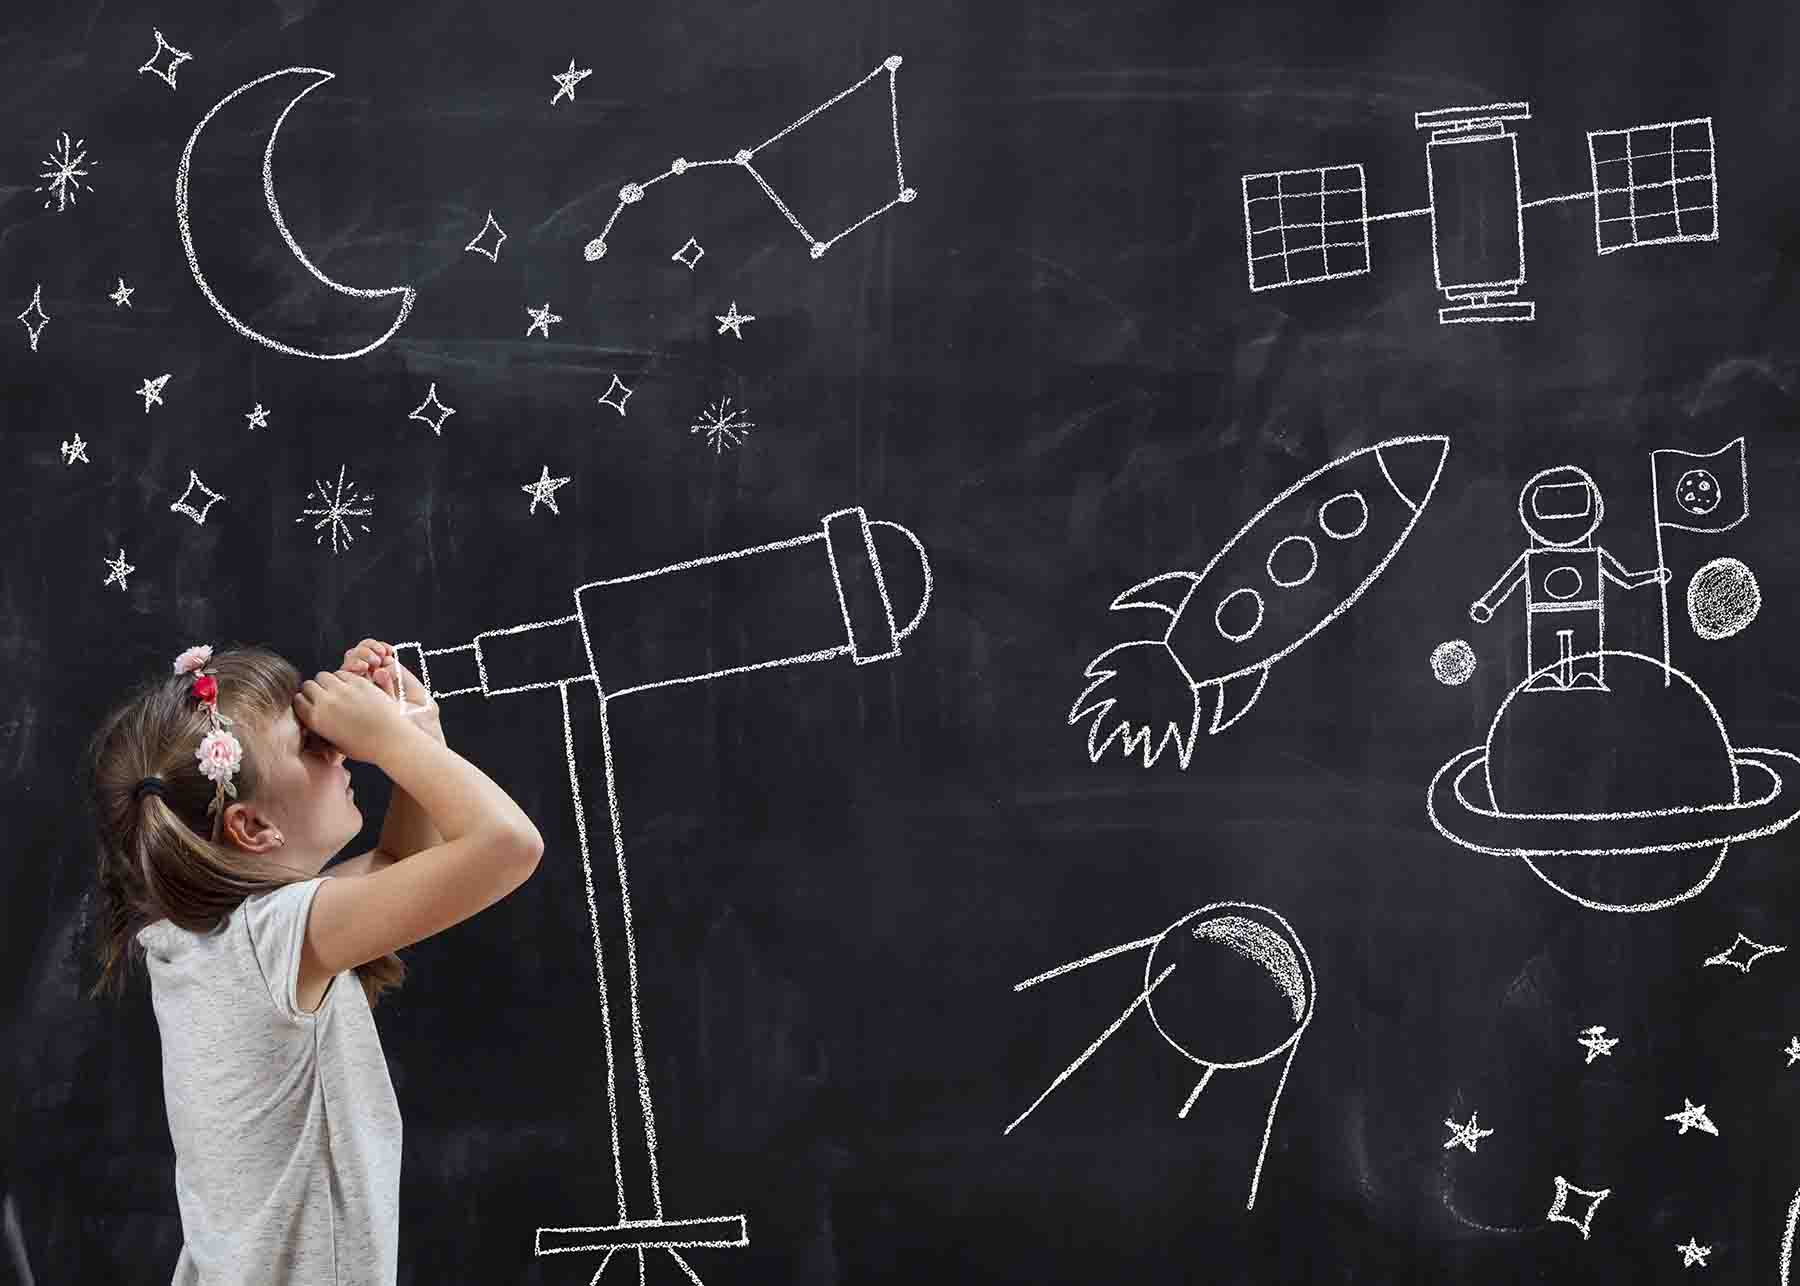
722	425
1597	1043
544	489
732	320
257	417
312	77
567	80
65	167
431	411
493	226
1465	1136
1752	951
631	636
122	296
34	318
541	320
1692	1117
176	58
616	395
183	506
1693	1253
334	508
76	450
1561	1200
1649	185
1256	601
632	193
1248	943
118	570
152	391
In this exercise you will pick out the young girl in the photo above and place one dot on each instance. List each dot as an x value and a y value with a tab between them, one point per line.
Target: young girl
221	793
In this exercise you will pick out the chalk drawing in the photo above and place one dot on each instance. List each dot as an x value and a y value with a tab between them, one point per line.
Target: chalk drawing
183	506
1702	492
1787	1237
567	80
1238	929
333	509
722	425
632	193
1793	1050
1563	574
152	391
119	569
843	561
312	77
616	395
1722	599
732	320
689	254
1453	662
494	227
431	411
1649	184
1692	1117
1742	953
122	296
544	489
1466	1136
1560	1202
257	417
176	58
1597	1043
1228	624
1693	1253
64	169
34	318
76	450
541	320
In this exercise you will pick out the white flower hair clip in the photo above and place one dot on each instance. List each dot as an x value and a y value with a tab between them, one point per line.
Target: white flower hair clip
220	752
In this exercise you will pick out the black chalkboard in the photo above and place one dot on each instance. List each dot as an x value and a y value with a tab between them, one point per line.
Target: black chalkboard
1087	337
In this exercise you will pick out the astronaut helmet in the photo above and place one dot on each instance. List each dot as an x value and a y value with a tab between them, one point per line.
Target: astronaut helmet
1561	507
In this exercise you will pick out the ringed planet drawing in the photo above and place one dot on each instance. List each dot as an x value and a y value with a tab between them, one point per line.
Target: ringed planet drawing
307	79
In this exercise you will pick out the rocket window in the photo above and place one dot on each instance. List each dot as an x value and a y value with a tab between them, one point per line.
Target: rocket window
1293	561
1344	515
1239	614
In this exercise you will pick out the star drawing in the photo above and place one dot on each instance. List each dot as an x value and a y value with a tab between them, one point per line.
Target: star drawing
122	296
151	392
544	489
722	425
1793	1050
733	320
76	450
1466	1135
499	236
1597	1043
432	411
1693	1118
1756	951
258	417
1693	1253
334	509
1560	1202
616	389
34	317
120	570
182	506
541	320
65	170
176	58
568	80
689	254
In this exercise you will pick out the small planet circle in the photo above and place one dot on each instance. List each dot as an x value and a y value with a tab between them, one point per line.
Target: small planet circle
1452	662
1722	598
1697	492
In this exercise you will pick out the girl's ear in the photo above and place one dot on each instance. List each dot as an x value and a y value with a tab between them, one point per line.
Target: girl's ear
245	828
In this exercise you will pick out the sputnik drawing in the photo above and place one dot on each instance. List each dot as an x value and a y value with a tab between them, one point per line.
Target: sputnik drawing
1256	601
1224	948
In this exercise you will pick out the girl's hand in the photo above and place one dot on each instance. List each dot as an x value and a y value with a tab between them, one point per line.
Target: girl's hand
351	715
380	664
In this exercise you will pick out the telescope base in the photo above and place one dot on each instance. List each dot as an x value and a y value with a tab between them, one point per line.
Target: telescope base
1507	310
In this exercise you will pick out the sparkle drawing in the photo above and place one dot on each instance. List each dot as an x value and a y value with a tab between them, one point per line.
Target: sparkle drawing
616	395
65	167
732	320
1224	946
1560	1202
867	576
167	72
334	508
257	417
1742	953
632	193
499	236
34	318
541	320
152	391
567	80
432	412
1466	1136
1691	1117
689	254
76	450
1649	185
1597	1043
122	296
118	570
1693	1253
723	426
544	489
184	506
312	78
1255	602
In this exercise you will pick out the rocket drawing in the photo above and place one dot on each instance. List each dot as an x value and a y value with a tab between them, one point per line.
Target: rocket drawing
1289	572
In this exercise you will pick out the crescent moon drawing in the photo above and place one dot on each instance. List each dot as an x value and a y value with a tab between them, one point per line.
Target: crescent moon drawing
406	293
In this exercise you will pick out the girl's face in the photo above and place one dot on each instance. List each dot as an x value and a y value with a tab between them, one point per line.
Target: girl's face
303	791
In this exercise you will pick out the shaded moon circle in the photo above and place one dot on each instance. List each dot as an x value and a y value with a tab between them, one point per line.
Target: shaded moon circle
1453	662
1722	598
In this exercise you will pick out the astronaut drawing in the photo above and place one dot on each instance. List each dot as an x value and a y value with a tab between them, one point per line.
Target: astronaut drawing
1562	573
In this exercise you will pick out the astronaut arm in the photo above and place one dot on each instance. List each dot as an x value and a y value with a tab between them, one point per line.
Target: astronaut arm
1615	571
1481	611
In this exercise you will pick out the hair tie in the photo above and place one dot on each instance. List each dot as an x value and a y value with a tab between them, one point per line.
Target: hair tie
150	786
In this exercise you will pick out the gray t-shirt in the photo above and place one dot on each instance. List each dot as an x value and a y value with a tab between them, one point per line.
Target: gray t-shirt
286	1129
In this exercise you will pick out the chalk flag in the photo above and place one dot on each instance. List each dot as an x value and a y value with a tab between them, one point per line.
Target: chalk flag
1695	491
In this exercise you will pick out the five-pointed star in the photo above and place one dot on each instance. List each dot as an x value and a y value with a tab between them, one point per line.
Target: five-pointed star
76	450
499	237
432	411
34	317
152	391
1467	1135
1693	1253
569	79
733	319
616	389
544	489
258	417
1756	952
120	570
1692	1118
541	320
122	296
1793	1050
1597	1043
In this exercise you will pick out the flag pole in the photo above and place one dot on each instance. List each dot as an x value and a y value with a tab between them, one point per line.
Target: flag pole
1662	586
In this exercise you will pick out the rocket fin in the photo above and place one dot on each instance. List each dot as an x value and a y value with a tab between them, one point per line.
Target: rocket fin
1236	696
1167	593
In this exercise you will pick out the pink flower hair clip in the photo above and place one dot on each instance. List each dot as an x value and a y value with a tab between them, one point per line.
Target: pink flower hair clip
220	752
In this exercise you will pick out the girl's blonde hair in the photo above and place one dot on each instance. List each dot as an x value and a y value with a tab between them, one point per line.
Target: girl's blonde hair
155	858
